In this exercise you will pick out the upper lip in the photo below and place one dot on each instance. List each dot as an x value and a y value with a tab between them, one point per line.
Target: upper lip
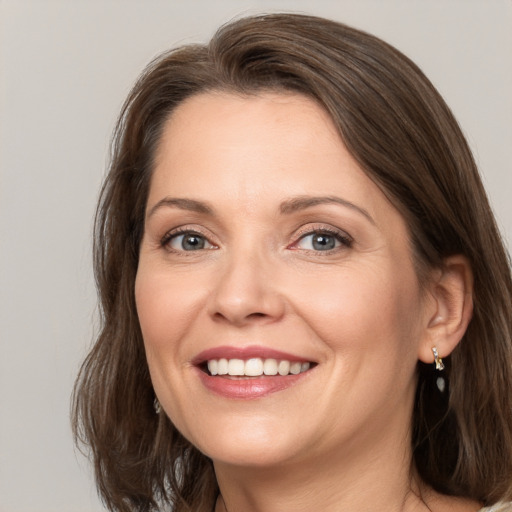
249	352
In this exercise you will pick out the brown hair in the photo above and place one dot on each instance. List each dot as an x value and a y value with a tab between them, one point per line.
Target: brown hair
396	125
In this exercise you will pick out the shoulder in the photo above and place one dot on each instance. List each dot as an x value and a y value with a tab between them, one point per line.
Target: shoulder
499	507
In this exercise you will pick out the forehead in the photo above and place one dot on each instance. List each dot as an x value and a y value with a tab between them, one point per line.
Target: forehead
249	152
245	138
220	122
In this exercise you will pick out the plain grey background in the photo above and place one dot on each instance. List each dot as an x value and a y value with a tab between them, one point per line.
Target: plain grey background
65	68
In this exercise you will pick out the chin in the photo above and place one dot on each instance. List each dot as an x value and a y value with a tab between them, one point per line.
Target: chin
261	443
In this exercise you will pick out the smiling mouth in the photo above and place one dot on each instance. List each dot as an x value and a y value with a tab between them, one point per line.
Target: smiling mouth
254	367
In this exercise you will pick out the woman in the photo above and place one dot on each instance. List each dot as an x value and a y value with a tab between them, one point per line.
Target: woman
306	301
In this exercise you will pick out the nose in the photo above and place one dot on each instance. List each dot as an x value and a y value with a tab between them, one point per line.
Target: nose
246	292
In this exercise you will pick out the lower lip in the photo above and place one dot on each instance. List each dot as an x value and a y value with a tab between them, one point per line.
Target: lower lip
248	388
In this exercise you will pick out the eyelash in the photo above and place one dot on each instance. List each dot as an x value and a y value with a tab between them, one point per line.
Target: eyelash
345	240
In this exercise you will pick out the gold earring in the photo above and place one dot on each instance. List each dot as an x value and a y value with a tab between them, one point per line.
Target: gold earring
437	360
440	382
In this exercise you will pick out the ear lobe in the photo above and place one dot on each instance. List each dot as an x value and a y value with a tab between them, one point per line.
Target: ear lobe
452	294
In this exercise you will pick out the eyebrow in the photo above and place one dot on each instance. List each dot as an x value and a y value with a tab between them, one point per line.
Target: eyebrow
287	207
303	202
183	204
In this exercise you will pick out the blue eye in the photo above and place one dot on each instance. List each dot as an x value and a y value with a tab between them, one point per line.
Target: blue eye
188	242
322	241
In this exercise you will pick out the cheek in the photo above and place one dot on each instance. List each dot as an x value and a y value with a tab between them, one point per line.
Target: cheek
166	307
362	311
166	300
153	306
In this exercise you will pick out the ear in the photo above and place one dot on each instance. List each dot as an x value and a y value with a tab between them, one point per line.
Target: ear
451	300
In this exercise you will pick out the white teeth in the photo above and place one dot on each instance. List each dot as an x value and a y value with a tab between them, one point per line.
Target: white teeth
270	367
284	367
236	367
213	366
295	368
256	367
222	368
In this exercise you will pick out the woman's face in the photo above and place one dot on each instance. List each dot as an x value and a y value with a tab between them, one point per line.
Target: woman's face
267	250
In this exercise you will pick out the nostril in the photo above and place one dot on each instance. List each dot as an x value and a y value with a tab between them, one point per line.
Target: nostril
256	315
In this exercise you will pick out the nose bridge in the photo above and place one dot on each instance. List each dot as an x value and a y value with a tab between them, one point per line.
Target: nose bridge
246	288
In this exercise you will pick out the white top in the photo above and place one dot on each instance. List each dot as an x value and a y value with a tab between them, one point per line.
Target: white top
499	507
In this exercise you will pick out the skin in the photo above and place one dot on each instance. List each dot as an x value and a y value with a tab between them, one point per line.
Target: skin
339	438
